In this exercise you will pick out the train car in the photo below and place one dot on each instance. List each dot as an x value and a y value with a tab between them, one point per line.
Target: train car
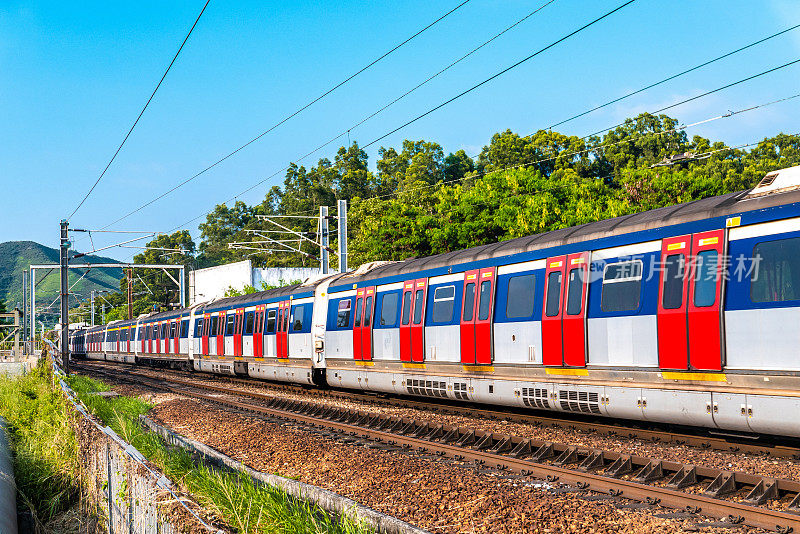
685	314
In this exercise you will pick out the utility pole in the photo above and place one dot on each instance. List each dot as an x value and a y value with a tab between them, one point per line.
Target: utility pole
92	301
64	254
323	247
130	293
342	216
103	312
24	312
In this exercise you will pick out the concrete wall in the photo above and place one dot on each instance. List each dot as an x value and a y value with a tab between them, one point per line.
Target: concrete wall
213	282
279	276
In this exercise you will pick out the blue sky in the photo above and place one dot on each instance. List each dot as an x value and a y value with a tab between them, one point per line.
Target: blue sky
73	77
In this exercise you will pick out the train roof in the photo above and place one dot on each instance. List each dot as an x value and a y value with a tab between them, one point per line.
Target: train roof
707	208
788	192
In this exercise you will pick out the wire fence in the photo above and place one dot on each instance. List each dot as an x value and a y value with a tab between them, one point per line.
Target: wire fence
123	490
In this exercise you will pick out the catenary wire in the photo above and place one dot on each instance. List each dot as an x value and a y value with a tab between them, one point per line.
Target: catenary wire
153	94
286	118
496	75
674	76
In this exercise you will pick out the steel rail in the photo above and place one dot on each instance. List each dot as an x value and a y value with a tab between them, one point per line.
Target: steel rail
570	464
447	406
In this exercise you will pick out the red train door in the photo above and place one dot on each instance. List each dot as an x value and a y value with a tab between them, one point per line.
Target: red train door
283	329
477	314
405	321
362	325
690	302
220	334
204	336
552	335
357	323
366	324
705	301
176	336
418	320
573	322
258	332
673	349
237	332
467	329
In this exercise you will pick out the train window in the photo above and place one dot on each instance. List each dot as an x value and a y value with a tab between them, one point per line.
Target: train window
443	301
198	328
673	273
485	302
172	329
297	319
286	321
553	304
776	276
271	315
389	308
469	302
343	313
214	324
419	301
575	291
519	301
141	333
248	322
358	312
622	286
368	311
705	279
280	320
406	307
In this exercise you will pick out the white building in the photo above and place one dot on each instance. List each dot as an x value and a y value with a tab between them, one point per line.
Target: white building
213	282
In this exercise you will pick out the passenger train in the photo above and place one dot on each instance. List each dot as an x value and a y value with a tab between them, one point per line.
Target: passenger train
687	314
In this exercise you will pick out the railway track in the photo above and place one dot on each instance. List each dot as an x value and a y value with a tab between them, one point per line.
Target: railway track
726	442
740	498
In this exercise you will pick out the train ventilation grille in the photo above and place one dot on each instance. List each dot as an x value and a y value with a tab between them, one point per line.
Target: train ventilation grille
579	401
428	388
460	390
781	181
535	398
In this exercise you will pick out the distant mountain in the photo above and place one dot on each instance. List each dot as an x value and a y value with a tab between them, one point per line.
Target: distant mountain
16	256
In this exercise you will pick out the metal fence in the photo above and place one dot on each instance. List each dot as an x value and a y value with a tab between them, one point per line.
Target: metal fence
125	493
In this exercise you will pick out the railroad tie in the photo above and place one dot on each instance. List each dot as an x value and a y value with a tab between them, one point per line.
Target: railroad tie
765	490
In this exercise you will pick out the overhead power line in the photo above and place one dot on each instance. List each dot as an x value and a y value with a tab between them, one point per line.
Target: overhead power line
676	104
518	63
497	75
718	89
290	116
140	113
669	78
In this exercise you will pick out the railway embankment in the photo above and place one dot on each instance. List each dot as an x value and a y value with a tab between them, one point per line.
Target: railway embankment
83	463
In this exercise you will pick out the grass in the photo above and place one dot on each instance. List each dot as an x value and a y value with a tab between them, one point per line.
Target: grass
45	449
232	496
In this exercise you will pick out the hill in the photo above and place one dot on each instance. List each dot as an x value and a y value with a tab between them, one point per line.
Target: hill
16	256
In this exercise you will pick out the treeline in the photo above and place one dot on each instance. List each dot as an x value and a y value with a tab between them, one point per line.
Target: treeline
419	201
